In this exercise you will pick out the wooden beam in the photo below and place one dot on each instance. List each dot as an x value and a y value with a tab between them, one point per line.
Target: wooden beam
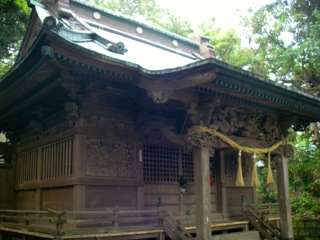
172	82
284	199
202	191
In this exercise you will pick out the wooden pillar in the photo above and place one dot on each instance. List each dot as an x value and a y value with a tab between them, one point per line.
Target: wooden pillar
39	175
223	186
79	168
140	189
79	197
181	208
284	199
202	191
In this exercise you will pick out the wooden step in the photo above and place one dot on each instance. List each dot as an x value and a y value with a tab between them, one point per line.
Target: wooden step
250	235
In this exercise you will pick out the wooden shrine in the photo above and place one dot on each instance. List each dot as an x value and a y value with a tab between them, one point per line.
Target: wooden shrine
103	112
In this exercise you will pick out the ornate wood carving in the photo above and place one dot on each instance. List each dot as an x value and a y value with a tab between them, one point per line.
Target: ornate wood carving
234	122
104	123
159	96
244	122
156	129
287	150
107	158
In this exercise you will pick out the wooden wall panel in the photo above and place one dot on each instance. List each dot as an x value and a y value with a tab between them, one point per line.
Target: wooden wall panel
170	194
111	197
6	190
26	200
57	198
234	195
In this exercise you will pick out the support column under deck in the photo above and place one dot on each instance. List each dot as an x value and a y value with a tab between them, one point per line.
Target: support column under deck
202	191
284	199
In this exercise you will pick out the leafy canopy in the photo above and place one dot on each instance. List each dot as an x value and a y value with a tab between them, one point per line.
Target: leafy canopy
285	37
14	16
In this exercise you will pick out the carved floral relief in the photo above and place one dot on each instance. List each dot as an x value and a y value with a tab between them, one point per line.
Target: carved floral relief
111	158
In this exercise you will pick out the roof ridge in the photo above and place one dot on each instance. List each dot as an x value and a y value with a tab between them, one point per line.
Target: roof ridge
142	23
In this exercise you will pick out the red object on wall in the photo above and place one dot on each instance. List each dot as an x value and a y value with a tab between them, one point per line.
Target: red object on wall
211	181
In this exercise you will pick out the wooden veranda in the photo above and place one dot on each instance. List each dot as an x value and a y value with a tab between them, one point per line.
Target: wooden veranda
117	224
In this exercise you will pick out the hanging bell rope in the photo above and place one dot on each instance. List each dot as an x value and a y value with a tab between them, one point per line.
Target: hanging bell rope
270	179
254	179
239	178
268	150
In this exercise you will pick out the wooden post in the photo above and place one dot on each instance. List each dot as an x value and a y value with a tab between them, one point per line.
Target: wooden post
39	175
202	191
79	167
223	186
181	210
284	199
140	189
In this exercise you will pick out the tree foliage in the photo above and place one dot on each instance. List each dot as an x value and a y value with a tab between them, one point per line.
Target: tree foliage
285	37
14	18
227	45
304	175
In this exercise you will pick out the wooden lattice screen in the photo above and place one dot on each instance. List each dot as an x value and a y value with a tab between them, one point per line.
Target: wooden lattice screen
54	161
187	166
27	165
161	163
57	160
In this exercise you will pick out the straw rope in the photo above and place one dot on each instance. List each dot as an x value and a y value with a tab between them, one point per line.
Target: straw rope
254	151
254	179
270	179
239	147
239	178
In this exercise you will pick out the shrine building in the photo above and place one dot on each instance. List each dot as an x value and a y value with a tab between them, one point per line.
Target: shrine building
105	115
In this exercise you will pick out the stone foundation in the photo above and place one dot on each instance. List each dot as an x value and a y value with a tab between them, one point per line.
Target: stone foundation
306	229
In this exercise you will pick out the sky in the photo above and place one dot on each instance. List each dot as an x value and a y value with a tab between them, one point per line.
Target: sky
226	12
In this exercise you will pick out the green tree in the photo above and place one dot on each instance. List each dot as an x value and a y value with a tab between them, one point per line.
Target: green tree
14	18
285	37
228	48
304	174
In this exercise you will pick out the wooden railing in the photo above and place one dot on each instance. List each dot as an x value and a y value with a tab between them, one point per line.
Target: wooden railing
173	227
269	209
85	224
71	223
261	222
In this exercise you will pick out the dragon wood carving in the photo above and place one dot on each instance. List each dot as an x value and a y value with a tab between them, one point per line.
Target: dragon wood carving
237	122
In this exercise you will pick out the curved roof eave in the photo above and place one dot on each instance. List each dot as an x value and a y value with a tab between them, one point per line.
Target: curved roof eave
208	65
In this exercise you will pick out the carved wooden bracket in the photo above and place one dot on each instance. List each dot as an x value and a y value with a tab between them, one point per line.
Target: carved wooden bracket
287	150
160	96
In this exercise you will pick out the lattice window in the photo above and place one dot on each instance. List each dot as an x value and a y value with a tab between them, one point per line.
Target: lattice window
27	166
187	166
57	160
160	163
